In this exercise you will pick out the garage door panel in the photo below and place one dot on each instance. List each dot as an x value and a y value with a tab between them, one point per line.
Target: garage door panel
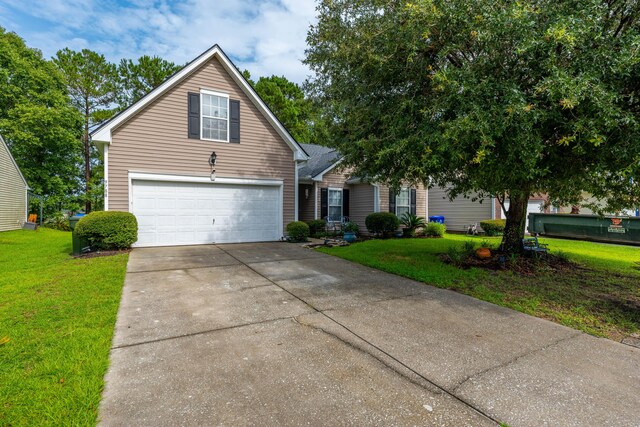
171	213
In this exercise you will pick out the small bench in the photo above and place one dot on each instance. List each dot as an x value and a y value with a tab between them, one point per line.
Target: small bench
531	245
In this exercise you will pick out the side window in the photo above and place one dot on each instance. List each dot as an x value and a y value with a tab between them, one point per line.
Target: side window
335	204
403	202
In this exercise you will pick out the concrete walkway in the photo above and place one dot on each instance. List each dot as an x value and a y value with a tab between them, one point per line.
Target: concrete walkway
274	334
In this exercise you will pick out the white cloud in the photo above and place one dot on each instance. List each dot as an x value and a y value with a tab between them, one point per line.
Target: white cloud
266	37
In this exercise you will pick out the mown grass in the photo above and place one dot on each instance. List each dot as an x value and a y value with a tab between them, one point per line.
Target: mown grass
58	314
602	298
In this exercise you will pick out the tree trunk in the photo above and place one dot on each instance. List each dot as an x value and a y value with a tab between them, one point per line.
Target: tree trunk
575	210
87	159
516	220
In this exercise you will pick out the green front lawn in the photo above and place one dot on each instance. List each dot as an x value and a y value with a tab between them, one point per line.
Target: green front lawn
602	299
58	314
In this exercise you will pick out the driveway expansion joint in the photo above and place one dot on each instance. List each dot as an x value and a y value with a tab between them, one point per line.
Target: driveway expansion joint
192	334
514	359
183	269
417	374
275	260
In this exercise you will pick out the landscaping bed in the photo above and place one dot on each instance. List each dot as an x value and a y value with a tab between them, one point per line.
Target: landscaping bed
587	286
57	315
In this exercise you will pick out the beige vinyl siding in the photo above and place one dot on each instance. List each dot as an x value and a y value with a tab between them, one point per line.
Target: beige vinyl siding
13	193
362	197
421	200
306	205
155	141
334	179
361	204
460	212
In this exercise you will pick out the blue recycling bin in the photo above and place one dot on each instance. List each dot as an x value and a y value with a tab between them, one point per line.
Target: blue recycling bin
437	218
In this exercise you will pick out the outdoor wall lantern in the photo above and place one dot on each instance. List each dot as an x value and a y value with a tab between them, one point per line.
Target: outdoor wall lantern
212	163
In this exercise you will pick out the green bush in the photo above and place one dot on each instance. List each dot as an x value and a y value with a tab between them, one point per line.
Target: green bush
435	229
57	221
108	230
298	231
382	223
493	227
317	227
469	247
455	254
352	227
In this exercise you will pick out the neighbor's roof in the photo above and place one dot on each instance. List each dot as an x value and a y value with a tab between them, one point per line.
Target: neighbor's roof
104	130
321	159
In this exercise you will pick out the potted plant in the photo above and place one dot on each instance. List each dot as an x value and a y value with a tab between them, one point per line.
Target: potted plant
411	222
350	231
484	251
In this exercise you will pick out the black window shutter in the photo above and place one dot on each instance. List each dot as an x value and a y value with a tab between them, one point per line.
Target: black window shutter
194	115
345	202
392	201
413	201
234	120
324	203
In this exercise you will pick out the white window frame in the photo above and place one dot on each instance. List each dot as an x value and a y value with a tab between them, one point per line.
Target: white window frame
329	190
228	119
408	205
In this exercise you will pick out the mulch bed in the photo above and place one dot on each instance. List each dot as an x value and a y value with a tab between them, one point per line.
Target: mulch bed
523	265
102	253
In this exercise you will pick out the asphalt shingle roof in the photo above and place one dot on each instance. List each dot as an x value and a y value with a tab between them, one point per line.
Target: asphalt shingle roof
320	158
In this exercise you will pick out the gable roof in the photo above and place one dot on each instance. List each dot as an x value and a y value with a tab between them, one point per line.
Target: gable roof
13	161
321	160
103	132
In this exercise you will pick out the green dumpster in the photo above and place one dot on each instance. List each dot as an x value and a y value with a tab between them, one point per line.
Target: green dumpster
80	245
607	229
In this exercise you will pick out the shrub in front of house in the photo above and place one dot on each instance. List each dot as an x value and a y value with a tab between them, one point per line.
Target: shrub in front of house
351	227
435	229
493	227
317	227
382	223
411	223
298	231
57	221
108	230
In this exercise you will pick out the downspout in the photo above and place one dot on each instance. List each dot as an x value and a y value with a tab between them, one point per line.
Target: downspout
315	200
106	176
426	202
493	207
295	194
376	198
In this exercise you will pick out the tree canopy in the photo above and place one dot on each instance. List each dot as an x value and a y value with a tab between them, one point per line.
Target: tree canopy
137	78
287	100
44	106
91	83
486	98
38	122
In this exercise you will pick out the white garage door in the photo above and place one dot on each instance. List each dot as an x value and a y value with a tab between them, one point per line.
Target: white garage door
184	213
533	206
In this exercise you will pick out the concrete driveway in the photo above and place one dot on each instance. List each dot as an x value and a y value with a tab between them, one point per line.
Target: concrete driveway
274	334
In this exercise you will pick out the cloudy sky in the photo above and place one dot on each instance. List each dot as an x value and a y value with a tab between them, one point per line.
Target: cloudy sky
264	36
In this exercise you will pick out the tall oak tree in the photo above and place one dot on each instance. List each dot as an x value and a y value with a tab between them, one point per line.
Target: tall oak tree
485	97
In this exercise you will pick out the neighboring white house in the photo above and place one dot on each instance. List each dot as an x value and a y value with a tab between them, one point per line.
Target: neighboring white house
13	191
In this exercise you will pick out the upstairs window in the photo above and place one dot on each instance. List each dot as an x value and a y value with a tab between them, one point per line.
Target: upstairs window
214	116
